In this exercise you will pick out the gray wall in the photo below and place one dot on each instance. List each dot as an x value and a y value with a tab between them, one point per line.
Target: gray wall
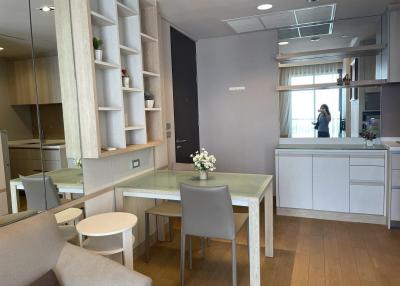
390	103
240	128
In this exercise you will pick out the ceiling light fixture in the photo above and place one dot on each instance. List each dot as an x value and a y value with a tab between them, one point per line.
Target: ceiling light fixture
284	43
1	48
46	8
263	7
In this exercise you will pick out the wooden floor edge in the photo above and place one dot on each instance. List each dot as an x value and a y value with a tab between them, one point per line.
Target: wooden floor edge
347	217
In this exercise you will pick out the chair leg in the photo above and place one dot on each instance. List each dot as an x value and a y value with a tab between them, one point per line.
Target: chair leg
183	250
234	275
147	238
190	253
171	230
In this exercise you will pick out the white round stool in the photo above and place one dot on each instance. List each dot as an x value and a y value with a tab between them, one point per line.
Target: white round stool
109	233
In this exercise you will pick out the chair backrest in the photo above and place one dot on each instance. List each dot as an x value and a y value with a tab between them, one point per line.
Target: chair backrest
28	249
39	191
207	211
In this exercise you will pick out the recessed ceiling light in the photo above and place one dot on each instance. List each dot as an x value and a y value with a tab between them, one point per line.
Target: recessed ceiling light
284	43
1	48
46	8
263	7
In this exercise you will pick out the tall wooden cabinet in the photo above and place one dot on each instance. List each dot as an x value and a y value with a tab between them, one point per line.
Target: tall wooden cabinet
113	116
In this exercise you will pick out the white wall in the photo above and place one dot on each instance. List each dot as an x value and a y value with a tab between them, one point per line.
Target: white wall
240	128
16	120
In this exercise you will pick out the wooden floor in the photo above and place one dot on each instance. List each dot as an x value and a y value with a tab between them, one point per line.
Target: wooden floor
307	252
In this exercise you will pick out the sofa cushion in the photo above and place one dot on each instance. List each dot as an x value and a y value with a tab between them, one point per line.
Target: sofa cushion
79	267
48	279
28	249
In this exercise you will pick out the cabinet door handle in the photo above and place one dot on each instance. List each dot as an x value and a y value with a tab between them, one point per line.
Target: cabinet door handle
178	147
180	141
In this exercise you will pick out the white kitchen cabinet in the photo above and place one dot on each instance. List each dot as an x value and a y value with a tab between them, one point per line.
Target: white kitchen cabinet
395	209
295	181
368	174
367	199
331	183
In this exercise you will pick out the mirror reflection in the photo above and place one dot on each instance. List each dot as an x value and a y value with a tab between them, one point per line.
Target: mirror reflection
336	94
38	171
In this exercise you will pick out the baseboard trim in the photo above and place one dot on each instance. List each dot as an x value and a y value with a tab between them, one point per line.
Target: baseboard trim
324	215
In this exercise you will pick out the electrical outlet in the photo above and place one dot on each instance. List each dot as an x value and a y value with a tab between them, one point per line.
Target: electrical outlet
135	163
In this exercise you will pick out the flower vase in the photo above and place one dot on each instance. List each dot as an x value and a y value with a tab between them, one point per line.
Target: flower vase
98	55
369	143
126	81
203	175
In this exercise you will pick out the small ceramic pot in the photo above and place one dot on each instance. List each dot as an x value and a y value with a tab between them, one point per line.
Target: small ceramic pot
203	175
126	81
98	55
369	143
149	103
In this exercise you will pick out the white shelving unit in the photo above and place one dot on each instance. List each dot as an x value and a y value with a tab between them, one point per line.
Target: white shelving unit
116	117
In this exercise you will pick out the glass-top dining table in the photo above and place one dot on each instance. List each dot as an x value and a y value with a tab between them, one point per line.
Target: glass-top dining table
246	190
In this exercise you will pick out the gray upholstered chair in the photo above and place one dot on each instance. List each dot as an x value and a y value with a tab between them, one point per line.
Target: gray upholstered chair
208	212
41	193
31	247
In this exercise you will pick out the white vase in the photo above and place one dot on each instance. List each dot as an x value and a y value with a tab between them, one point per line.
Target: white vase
370	143
203	175
98	55
149	103
126	80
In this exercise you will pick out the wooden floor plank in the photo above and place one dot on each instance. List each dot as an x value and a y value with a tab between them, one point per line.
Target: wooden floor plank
307	252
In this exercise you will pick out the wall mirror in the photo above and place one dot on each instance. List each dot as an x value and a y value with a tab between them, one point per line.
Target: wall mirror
336	64
40	171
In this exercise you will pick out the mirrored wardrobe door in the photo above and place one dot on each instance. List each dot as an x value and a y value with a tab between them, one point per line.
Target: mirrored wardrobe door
52	44
20	152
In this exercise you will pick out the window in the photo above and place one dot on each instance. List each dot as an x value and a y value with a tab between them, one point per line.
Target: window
305	105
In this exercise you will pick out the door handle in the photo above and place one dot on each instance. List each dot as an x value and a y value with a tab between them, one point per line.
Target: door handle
178	147
180	141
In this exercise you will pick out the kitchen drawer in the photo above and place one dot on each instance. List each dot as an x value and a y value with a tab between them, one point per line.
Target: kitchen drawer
366	199
51	155
395	206
367	161
367	173
396	161
395	178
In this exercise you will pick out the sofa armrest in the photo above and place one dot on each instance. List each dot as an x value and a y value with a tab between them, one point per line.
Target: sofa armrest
79	267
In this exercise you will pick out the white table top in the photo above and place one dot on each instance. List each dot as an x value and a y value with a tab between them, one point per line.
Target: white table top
106	224
68	215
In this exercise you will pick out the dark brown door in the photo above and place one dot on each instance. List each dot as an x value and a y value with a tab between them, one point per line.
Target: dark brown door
186	115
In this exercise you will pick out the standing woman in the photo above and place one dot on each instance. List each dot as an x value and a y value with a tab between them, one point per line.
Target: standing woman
322	124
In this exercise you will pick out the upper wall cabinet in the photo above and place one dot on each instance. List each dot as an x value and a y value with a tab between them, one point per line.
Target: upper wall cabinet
393	63
23	80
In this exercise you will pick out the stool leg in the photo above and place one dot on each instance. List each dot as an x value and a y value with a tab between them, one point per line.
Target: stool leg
234	276
147	236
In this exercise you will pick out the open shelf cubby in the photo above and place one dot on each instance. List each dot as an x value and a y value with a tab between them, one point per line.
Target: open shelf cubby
129	32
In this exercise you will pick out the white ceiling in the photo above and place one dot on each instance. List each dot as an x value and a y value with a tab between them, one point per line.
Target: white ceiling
203	18
15	35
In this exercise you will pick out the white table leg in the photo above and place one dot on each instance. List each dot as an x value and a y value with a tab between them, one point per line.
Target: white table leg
128	248
254	242
269	221
14	199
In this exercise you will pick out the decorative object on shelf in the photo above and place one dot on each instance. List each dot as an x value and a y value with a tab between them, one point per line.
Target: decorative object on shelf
369	137
340	78
204	163
347	79
148	100
78	162
98	52
108	148
125	78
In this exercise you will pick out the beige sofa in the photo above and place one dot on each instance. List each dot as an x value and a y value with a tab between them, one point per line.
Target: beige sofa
31	247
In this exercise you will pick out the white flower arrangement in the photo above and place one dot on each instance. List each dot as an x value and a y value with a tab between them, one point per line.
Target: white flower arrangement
203	161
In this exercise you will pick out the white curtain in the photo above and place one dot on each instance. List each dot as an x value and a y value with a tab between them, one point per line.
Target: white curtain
286	75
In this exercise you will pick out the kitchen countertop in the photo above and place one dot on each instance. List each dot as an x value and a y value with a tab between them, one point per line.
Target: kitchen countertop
331	147
35	144
392	145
